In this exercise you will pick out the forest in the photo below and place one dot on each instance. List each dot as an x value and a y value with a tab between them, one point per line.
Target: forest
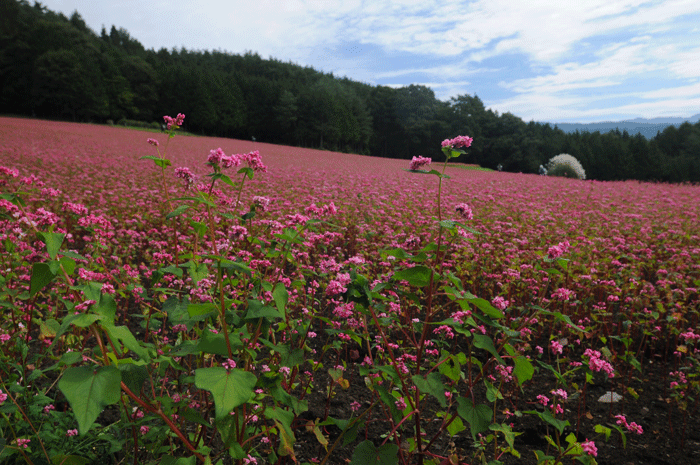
56	67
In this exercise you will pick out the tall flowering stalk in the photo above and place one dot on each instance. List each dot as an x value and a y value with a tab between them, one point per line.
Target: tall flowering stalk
451	148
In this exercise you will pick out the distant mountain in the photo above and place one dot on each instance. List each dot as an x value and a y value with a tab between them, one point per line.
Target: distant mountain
646	127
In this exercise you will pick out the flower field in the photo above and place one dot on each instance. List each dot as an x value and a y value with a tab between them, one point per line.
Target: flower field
167	302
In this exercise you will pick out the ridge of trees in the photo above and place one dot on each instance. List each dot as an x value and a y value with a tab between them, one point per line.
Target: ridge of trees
56	67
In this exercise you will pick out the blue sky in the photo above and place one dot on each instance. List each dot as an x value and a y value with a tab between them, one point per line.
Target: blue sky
542	60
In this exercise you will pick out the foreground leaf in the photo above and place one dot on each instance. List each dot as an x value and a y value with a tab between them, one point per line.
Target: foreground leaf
89	390
366	453
229	389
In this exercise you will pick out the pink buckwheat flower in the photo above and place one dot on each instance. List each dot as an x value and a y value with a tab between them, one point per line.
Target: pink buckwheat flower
3	397
400	404
229	364
177	121
23	442
261	203
186	174
254	161
557	348
464	211
215	156
419	162
71	432
558	250
153	142
589	448
500	303
457	142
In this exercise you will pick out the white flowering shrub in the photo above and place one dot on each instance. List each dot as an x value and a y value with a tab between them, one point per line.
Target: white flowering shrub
565	165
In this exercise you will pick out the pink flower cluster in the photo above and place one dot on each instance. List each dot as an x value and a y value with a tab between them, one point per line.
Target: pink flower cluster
326	210
500	303
419	162
186	174
261	203
229	364
563	294
632	427
558	250
75	208
596	363
457	142
177	121
589	448
217	158
23	442
464	211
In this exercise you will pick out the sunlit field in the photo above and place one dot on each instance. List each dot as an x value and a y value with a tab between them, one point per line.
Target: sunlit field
317	307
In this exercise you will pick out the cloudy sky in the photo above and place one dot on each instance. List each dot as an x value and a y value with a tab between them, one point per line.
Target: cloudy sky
542	60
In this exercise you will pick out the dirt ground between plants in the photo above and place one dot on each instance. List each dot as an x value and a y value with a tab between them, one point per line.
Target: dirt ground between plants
669	438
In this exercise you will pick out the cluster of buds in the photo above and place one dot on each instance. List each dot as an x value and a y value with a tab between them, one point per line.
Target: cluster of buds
177	121
458	142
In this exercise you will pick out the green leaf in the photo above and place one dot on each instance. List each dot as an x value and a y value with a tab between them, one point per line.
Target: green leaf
229	388
366	453
69	358
123	334
600	429
523	369
482	341
456	427
68	253
211	343
177	212
478	416
283	419
162	162
492	394
53	242
281	297
349	428
223	178
434	172
450	367
257	309
417	276
549	418
41	276
205	308
507	432
236	266
486	307
177	310
89	390
247	171
107	308
68	264
133	376
433	385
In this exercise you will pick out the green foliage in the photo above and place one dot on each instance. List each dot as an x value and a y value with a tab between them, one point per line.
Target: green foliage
89	390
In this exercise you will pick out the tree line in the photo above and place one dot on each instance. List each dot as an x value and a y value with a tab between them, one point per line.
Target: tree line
56	67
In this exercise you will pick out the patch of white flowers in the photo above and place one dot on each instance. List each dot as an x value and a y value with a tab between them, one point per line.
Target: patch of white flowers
564	159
